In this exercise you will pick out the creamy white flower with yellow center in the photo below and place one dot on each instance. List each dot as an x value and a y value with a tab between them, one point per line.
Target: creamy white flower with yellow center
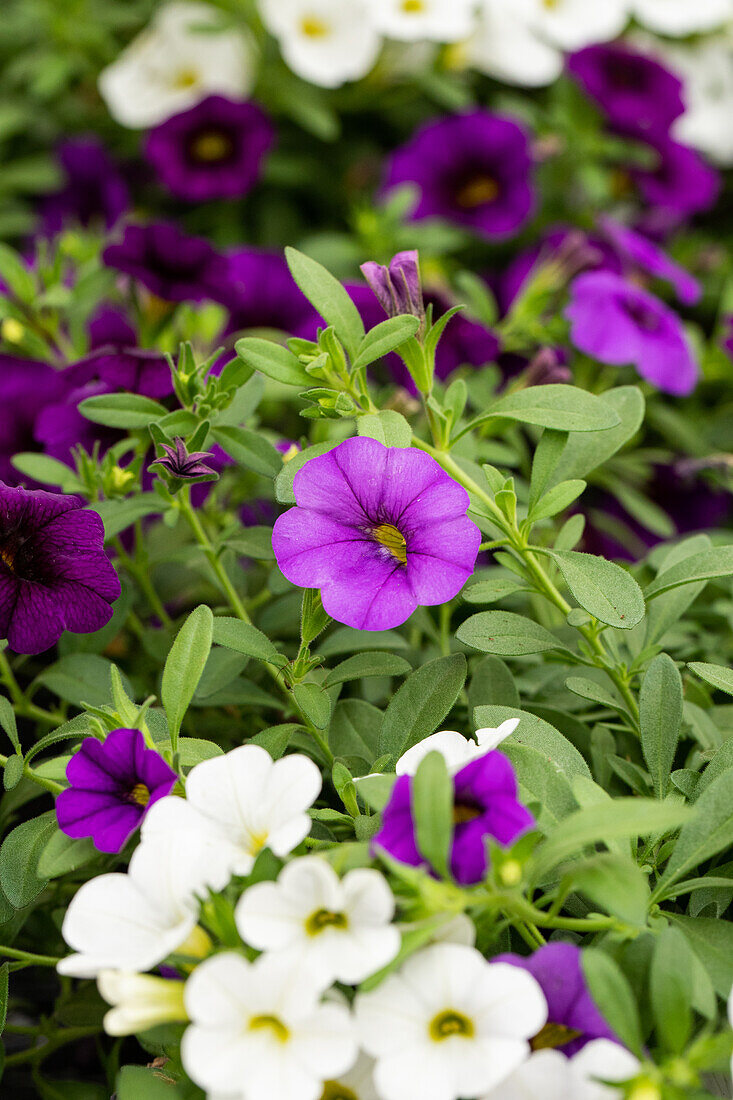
682	17
505	45
456	750
341	927
139	1001
435	20
260	1031
707	71
572	24
549	1075
178	60
327	42
448	1024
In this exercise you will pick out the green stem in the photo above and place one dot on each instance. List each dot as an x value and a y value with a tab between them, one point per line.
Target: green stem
21	704
28	956
139	573
37	1053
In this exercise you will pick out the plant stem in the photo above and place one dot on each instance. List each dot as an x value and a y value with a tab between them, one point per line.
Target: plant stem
139	573
28	956
21	704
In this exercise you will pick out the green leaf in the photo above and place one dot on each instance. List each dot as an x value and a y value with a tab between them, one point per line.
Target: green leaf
253	542
421	703
388	427
355	729
612	993
491	591
329	298
8	723
546	457
122	410
184	666
284	481
272	360
249	449
245	638
712	942
667	609
703	566
604	590
142	1083
432	811
13	772
19	856
716	675
660	719
314	702
376	790
4	981
506	634
361	665
15	274
671	989
562	408
384	338
537	734
81	678
117	515
275	739
542	781
596	693
47	470
584	452
710	831
558	498
62	854
615	884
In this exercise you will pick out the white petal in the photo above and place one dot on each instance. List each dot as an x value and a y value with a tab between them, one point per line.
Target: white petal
505	46
507	1007
488	738
452	746
345	48
604	1060
572	24
546	1075
438	20
216	992
682	17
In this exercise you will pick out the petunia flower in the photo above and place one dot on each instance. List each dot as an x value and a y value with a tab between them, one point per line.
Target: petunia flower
632	88
448	1024
573	1018
680	17
380	530
259	1030
570	24
113	785
27	387
484	805
638	254
681	183
94	193
707	69
169	263
140	1001
637	329
211	151
54	573
180	58
327	42
435	20
506	45
339	926
547	1075
260	292
473	169
455	749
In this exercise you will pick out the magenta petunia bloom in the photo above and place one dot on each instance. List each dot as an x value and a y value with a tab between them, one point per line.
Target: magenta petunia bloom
639	254
54	573
473	169
680	184
484	805
619	323
113	785
633	89
573	1018
380	530
212	151
27	387
169	263
94	192
260	292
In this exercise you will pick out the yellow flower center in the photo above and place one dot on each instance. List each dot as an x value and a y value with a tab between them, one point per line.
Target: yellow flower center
7	554
210	146
463	812
553	1035
477	191
413	7
185	78
449	1023
332	1090
139	794
270	1023
313	27
325	918
393	540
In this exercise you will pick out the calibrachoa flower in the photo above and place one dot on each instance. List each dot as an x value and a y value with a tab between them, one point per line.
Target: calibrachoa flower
259	1030
95	192
54	573
260	292
140	1001
242	802
212	151
639	254
27	386
113	783
180	58
356	1084
484	805
680	17
547	1075
680	183
638	329
707	69
570	24
448	1024
169	263
455	749
325	41
380	530
340	927
573	1019
633	89
411	20
473	169
506	45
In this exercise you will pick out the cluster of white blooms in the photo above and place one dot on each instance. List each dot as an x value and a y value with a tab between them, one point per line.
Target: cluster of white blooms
707	71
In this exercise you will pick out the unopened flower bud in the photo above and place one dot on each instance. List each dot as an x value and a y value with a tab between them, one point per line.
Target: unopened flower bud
397	287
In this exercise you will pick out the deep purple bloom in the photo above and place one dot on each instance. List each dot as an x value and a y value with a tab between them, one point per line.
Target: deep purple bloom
169	263
185	465
619	323
558	970
632	89
380	530
94	192
54	573
639	254
680	184
484	805
473	169
27	386
397	287
212	151
113	785
260	292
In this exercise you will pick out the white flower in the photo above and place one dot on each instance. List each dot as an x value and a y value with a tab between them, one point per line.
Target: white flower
133	921
140	1001
412	20
240	803
448	1024
549	1075
325	41
572	24
260	1032
174	63
340	927
357	1084
682	17
505	45
456	750
707	71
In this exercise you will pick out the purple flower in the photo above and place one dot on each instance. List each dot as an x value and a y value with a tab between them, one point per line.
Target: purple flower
484	805
170	264
633	89
573	1018
473	169
54	573
680	184
183	464
619	323
397	287
638	254
380	530
94	192
212	151
27	386
260	292
113	785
